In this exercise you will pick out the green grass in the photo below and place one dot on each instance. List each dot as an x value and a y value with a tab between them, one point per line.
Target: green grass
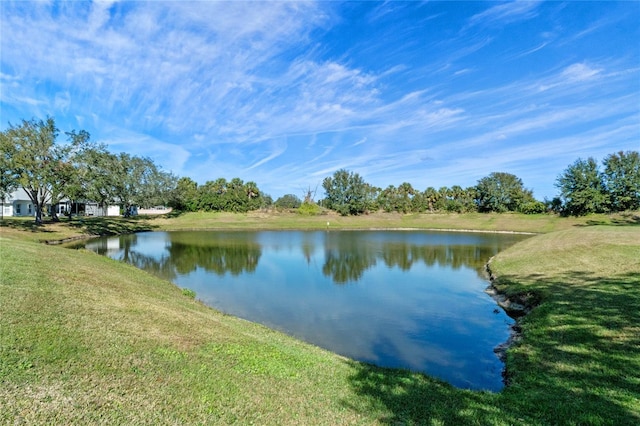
579	357
87	340
515	222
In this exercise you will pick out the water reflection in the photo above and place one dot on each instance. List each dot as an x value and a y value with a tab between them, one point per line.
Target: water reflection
346	254
217	253
413	300
170	255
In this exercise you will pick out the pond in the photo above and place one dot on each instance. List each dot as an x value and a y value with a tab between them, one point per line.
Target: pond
401	299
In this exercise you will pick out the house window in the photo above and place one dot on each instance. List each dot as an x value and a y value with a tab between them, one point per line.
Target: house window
29	208
18	209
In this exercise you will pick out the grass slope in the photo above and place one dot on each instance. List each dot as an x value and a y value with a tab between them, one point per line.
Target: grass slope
88	340
579	359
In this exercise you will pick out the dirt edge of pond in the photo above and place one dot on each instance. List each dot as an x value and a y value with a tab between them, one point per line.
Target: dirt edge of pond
515	306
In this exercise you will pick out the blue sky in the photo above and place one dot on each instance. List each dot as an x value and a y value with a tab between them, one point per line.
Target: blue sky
286	93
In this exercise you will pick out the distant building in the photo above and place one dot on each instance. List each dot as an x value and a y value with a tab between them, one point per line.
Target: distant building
19	204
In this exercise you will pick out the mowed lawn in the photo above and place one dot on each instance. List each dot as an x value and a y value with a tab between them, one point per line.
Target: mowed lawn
87	340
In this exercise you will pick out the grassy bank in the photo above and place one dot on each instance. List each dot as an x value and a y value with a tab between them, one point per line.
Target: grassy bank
476	221
96	341
89	226
579	356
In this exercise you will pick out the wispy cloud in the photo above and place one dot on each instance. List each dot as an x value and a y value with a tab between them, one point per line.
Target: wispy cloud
506	13
580	72
282	92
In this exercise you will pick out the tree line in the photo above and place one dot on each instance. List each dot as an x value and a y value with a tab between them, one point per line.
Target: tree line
584	188
219	195
348	194
32	158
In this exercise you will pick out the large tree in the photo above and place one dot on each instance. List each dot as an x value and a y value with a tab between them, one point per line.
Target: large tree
38	163
347	193
386	198
66	181
121	179
404	200
501	192
581	188
139	182
288	201
185	196
621	178
96	173
431	196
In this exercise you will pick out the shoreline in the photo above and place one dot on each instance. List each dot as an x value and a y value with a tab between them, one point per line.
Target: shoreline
515	307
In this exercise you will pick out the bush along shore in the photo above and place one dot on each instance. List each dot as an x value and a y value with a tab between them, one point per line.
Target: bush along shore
88	340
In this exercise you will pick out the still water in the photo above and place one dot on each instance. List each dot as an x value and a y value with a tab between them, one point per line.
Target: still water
412	300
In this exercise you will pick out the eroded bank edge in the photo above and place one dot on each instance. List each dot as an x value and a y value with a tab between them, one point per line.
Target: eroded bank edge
515	306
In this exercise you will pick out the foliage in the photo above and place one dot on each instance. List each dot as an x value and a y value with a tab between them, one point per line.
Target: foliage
37	163
621	177
288	201
406	199
347	193
232	196
122	179
309	209
187	292
582	189
461	200
501	192
78	170
266	201
185	196
532	207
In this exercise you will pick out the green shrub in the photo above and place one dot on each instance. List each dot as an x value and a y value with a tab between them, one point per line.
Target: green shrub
533	207
309	209
189	293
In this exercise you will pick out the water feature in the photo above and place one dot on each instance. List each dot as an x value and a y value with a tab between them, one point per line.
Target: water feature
402	299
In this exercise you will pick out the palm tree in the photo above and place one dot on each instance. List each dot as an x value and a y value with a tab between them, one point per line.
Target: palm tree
405	195
431	195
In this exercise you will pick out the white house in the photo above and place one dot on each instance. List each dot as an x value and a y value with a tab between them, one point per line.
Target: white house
18	203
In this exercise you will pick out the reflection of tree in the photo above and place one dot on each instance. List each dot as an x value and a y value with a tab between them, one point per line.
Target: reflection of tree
214	252
125	244
398	254
455	256
348	255
346	258
344	266
308	246
217	258
187	251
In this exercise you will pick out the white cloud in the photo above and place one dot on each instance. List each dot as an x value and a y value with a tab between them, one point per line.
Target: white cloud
276	151
580	72
506	13
261	88
62	101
